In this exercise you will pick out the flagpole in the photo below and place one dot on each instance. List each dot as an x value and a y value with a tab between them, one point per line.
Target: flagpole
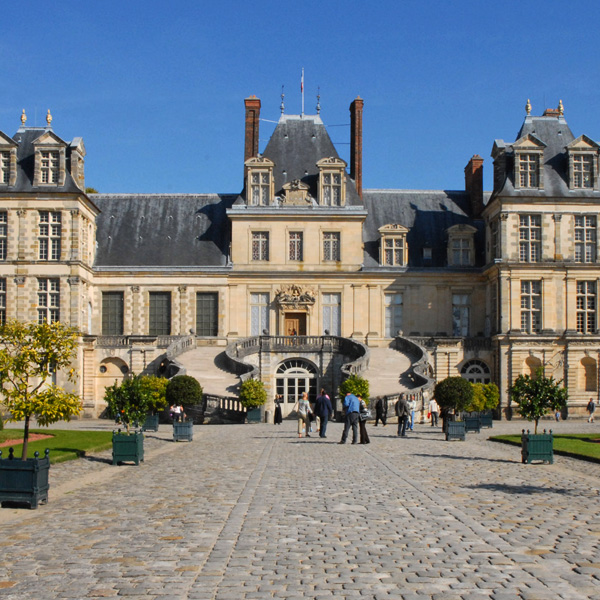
302	90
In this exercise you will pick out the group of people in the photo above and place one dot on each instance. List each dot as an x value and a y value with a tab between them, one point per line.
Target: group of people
307	414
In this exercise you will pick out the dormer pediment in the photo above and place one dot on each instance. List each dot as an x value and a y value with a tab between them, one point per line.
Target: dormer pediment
49	138
583	143
393	228
529	142
259	162
6	142
331	162
461	229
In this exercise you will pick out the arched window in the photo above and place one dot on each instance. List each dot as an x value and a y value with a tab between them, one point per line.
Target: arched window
476	371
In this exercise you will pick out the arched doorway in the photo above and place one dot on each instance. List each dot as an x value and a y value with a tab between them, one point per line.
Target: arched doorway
292	377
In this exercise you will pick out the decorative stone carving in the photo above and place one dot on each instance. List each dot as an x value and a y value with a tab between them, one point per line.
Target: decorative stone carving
295	193
294	297
73	280
20	280
135	289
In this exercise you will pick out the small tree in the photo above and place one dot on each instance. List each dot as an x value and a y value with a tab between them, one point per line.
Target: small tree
355	385
252	393
29	355
454	393
536	396
183	389
155	388
129	402
486	396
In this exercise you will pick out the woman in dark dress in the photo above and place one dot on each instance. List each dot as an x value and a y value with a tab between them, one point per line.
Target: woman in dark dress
278	418
362	424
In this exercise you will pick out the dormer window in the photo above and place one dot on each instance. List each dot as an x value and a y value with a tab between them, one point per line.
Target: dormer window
50	160
529	170
49	167
4	167
332	188
8	160
259	185
394	250
583	164
529	159
461	246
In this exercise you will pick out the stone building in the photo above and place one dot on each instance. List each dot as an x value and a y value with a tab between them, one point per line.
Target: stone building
301	277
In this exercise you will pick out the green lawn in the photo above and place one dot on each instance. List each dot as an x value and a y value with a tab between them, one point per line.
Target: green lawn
584	446
64	444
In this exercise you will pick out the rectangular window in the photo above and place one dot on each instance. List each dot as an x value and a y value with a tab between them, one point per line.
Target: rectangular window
4	167
586	307
461	314
260	184
393	251
2	300
50	230
259	313
494	308
260	245
49	167
585	239
112	313
530	238
461	251
495	231
583	175
159	322
331	245
296	245
529	165
3	234
332	189
531	306
207	311
393	314
48	300
332	304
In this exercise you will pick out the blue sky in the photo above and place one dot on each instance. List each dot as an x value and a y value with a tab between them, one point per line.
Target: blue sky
156	88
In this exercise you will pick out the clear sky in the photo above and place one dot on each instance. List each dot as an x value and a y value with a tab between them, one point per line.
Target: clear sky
156	88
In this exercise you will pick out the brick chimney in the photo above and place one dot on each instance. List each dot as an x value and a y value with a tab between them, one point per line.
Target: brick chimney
356	135
252	120
474	184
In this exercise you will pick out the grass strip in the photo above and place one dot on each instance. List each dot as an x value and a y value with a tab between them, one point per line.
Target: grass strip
63	445
584	446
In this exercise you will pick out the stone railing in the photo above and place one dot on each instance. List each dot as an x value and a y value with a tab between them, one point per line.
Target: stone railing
421	369
122	341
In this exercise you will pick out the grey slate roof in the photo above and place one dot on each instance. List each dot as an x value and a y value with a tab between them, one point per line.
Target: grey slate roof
154	230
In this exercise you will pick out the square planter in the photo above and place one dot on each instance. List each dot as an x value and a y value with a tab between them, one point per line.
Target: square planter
24	481
486	419
254	415
537	447
455	430
151	423
472	423
183	432
128	447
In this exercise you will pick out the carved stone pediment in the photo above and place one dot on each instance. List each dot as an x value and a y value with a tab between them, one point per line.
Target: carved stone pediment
295	297
295	193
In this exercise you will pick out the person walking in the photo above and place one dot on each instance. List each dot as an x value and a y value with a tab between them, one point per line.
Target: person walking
381	409
303	408
434	411
591	408
362	421
351	410
413	407
323	409
402	412
278	418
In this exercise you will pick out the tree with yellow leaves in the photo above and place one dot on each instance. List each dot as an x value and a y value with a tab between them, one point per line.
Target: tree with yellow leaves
29	354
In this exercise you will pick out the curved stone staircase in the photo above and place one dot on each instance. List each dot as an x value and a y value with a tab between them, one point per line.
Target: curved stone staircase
204	363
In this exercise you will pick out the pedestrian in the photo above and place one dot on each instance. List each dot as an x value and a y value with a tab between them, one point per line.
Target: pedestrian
304	412
381	409
323	409
434	411
413	407
176	412
402	412
363	415
278	418
557	415
351	410
591	407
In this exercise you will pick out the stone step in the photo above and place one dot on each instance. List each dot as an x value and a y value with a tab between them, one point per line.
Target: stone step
388	372
203	364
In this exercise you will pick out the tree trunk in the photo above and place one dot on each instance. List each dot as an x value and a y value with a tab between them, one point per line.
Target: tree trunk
25	439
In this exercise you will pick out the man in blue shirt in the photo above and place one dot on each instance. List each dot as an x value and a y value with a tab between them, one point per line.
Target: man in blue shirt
351	407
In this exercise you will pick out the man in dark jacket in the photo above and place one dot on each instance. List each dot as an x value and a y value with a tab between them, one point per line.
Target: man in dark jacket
323	409
402	411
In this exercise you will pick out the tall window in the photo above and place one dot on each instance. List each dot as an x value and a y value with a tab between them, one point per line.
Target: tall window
332	189
495	234
586	307
393	251
585	239
583	171
461	251
4	167
260	245
2	300
112	313
259	313
49	167
529	167
260	184
494	307
49	235
48	300
159	322
3	234
331	245
296	245
393	314
531	306
207	311
332	304
530	238
461	313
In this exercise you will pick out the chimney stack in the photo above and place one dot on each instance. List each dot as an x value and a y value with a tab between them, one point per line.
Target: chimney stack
356	135
251	132
474	184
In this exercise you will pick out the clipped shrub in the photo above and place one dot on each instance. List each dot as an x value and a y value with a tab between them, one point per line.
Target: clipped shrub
486	396
355	385
183	389
252	393
454	393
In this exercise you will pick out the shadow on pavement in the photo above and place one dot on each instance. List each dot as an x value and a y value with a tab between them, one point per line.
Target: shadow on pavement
523	489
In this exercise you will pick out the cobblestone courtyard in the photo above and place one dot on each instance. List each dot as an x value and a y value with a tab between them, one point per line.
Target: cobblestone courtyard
254	512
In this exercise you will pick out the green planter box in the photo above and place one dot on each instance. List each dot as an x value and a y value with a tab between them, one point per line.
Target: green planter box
455	430
151	423
183	432
128	447
24	481
254	415
472	423
486	419
537	447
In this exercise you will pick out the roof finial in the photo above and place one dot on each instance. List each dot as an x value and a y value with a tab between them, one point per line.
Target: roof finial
49	119
319	100
23	118
528	107
282	106
561	108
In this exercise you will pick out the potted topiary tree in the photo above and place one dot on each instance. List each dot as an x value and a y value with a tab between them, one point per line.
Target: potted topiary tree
30	355
252	397
535	397
453	394
155	389
186	391
486	397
